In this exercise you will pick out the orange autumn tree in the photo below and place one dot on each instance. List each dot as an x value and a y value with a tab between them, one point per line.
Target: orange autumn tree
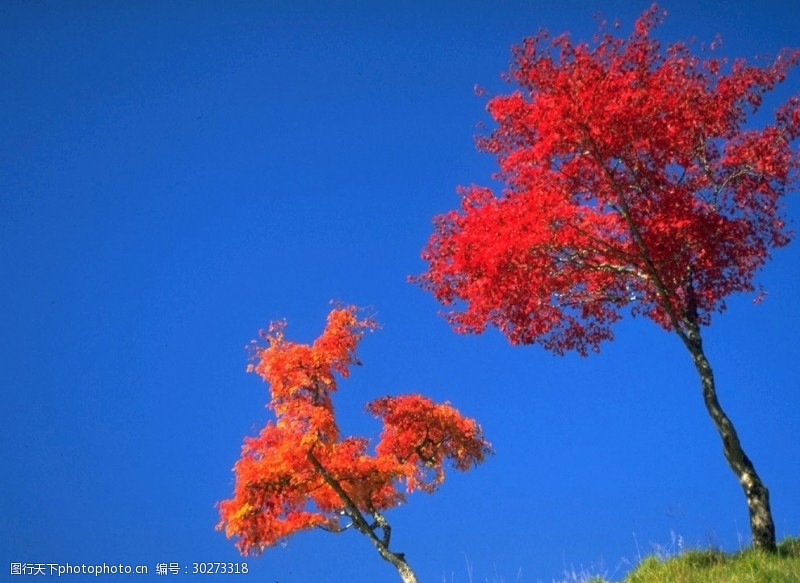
301	473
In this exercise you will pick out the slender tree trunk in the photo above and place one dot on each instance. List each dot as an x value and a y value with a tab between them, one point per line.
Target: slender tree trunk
398	560
686	325
762	526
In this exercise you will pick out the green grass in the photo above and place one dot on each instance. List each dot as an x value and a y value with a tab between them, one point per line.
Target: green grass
711	566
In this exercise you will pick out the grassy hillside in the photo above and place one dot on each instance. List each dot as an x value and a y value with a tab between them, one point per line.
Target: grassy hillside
711	566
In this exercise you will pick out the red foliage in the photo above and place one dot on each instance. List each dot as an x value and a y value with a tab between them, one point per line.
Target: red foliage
630	179
279	491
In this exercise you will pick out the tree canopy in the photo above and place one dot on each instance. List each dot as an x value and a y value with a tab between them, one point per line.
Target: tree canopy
631	178
301	473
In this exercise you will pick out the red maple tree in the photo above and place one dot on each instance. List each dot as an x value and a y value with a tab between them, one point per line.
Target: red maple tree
300	473
630	179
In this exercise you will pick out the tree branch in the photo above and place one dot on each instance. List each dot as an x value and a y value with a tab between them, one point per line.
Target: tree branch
633	228
382	543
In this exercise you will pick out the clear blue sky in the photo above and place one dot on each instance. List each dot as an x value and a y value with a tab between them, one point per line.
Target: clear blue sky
174	175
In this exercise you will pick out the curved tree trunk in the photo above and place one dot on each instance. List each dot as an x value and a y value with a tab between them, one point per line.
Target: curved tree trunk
762	526
686	326
398	560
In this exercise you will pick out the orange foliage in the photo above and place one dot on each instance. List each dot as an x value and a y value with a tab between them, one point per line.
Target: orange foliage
279	491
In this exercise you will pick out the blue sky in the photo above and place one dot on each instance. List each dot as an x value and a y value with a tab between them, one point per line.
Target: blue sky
175	175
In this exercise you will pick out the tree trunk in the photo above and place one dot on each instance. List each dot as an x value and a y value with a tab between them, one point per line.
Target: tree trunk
406	573
762	526
398	560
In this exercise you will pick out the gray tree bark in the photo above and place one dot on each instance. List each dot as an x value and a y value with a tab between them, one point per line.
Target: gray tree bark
762	526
